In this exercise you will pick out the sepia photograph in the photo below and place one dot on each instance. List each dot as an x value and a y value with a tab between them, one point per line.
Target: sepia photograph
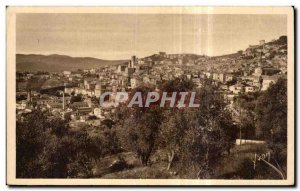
150	96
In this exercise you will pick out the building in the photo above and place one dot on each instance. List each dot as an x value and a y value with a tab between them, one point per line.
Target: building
122	68
134	82
83	111
77	105
163	54
55	106
267	81
208	74
220	77
130	71
69	90
250	89
236	89
97	112
67	73
133	61
92	71
258	71
21	105
270	71
42	100
228	77
262	42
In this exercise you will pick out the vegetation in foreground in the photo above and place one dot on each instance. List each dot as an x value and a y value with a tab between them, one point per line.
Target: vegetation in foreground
156	142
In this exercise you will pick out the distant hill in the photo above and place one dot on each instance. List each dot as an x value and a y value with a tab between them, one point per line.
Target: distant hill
57	63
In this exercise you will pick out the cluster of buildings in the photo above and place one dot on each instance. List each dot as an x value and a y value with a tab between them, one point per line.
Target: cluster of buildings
75	94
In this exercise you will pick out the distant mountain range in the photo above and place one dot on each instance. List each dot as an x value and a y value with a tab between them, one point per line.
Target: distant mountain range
58	63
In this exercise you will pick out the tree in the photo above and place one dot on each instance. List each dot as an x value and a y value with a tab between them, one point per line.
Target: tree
178	85
172	131
244	106
271	110
30	141
140	127
108	123
231	82
46	148
21	97
211	132
83	153
197	137
176	121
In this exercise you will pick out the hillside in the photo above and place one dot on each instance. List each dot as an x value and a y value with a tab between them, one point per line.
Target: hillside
57	63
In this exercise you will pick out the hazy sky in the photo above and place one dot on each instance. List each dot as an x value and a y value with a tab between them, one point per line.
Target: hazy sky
118	36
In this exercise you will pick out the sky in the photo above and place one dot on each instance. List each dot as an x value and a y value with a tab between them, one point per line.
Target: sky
119	36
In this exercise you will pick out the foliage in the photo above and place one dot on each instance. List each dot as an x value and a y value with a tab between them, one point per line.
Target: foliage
271	113
53	150
245	105
21	97
108	123
178	85
231	82
140	127
193	139
172	131
210	134
262	171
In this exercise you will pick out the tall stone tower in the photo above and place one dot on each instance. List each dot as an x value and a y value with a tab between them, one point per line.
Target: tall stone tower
133	61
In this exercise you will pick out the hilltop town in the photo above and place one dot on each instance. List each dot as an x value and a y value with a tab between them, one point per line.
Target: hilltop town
59	117
75	94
